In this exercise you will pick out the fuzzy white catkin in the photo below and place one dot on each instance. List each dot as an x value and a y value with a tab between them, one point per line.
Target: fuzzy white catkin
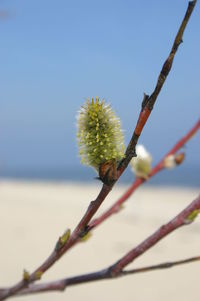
141	165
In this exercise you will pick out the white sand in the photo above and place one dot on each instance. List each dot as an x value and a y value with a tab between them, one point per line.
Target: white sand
33	215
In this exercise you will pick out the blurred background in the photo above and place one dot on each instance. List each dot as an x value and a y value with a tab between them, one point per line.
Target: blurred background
53	56
56	54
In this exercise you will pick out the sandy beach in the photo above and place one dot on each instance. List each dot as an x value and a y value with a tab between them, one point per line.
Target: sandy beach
34	214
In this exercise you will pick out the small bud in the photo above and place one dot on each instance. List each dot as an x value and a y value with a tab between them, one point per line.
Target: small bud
86	237
179	158
169	162
108	171
38	275
63	239
192	216
100	138
26	275
172	161
141	165
122	206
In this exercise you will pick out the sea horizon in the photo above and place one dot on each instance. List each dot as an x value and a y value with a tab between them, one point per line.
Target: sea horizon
181	176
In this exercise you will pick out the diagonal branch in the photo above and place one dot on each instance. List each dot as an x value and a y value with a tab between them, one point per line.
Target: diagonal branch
180	220
117	269
139	181
147	107
165	265
60	285
149	101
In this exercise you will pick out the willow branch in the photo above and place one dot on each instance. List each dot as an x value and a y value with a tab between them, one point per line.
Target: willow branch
161	266
58	252
117	269
60	285
147	107
180	220
149	101
116	207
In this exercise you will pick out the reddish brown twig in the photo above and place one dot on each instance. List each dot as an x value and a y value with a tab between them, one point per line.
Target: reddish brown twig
139	181
58	252
60	285
116	207
147	107
175	223
165	265
149	101
117	269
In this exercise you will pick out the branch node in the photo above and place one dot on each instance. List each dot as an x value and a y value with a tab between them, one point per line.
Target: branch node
38	275
191	217
62	240
26	276
108	172
145	101
84	232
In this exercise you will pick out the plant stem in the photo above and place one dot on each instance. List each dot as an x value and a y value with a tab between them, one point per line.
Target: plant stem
149	101
139	181
60	285
175	223
117	269
147	107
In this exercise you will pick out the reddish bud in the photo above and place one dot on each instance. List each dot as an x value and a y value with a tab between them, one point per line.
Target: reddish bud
179	158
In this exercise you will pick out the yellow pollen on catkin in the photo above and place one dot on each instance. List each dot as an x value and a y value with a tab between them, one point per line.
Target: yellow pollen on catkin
100	137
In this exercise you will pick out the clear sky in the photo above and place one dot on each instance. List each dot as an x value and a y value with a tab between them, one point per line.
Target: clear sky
55	54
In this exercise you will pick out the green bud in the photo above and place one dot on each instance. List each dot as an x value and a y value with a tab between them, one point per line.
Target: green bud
86	237
192	216
63	240
38	275
26	275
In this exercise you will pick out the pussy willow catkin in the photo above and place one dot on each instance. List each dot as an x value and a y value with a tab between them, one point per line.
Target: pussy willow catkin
100	137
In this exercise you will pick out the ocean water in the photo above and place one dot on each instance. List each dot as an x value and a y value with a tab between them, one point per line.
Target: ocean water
180	176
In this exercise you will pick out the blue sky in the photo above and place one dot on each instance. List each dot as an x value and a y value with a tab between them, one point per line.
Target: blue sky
55	54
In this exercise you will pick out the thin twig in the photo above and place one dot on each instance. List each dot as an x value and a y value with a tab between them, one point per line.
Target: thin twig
180	220
149	101
116	207
117	269
165	265
147	107
60	285
58	252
